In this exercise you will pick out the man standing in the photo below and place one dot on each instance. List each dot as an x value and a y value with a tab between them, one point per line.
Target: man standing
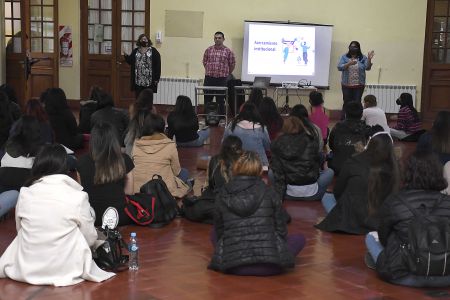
219	63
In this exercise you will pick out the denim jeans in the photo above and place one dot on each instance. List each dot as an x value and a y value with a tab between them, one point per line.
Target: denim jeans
373	246
325	178
328	202
202	136
8	200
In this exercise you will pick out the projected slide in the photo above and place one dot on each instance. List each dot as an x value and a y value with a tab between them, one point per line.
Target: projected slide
281	50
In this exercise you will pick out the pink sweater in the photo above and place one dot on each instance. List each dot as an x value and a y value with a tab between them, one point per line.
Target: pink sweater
319	118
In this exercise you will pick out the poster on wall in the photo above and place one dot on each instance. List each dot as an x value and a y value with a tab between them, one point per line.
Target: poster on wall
65	46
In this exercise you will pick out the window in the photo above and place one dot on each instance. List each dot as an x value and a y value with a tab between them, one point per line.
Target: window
42	26
13	27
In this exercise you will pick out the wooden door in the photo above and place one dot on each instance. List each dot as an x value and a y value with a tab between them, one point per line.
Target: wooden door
30	27
436	66
108	27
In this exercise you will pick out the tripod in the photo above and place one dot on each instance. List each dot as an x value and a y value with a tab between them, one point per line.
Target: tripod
286	109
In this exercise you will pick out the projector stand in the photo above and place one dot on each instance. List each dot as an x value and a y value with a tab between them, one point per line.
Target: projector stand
286	109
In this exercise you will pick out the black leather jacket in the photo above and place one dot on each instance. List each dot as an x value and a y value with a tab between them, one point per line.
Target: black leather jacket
295	160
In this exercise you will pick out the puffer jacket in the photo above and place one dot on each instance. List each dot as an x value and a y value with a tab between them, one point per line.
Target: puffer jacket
249	225
343	138
295	160
393	230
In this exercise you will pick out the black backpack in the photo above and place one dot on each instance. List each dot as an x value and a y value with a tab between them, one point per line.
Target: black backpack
427	252
108	256
165	206
211	112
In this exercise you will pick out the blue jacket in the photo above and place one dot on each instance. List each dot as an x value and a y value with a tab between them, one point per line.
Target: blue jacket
363	65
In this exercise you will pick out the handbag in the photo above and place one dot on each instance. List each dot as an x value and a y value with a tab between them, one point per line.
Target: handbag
109	256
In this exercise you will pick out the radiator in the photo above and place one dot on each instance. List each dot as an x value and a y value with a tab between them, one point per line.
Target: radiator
387	94
169	88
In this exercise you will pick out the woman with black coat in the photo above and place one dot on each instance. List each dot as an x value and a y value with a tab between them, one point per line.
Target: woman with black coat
251	231
61	119
423	183
364	182
296	162
183	124
145	62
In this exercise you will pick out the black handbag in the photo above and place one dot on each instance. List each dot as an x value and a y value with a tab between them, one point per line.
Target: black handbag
109	255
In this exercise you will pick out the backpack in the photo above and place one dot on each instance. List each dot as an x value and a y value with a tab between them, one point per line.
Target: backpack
140	208
108	256
428	242
153	205
211	114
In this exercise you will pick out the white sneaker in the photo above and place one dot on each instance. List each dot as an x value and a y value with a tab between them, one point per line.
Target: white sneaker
110	218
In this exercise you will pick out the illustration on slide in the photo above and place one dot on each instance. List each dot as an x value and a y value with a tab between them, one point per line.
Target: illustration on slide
305	52
289	47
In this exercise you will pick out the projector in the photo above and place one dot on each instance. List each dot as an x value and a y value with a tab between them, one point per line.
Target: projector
289	84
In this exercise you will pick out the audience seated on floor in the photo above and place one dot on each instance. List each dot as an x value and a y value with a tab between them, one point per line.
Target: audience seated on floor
408	126
318	115
240	247
87	108
183	124
6	120
106	174
55	228
296	162
35	109
21	148
138	111
301	112
106	112
270	117
373	115
438	138
248	126
155	153
61	119
201	209
365	181
13	104
390	249
347	134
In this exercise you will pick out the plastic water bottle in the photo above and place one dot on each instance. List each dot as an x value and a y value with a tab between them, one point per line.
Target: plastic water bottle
133	249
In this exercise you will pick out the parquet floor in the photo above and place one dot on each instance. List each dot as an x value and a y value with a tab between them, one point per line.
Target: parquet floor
173	263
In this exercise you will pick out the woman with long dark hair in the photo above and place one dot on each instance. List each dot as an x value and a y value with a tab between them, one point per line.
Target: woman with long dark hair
106	174
201	209
138	111
270	117
296	163
438	138
365	181
35	109
183	124
408	121
106	112
55	228
353	66
61	119
21	148
421	194
6	120
249	127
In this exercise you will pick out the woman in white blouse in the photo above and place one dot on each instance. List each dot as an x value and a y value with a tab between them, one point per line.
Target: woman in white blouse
55	228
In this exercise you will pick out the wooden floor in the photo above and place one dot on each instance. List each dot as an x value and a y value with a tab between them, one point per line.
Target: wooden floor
173	263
